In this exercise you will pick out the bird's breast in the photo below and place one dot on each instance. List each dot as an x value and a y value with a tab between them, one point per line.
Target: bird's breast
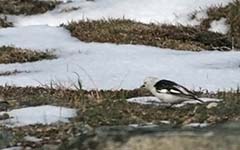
169	98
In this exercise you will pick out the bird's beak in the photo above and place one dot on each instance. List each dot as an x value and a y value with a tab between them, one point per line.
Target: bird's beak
143	86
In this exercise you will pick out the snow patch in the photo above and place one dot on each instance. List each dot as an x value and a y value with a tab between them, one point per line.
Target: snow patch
146	125
113	66
197	125
45	114
158	11
219	26
32	139
150	100
13	148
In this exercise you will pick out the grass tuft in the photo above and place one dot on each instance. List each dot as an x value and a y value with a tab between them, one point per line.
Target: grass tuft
17	55
123	31
26	7
232	14
14	72
113	109
4	23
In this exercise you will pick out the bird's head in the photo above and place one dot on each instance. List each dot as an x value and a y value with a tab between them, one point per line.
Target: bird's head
149	82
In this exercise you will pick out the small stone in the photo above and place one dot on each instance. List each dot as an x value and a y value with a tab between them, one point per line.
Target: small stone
50	147
28	148
32	139
3	105
165	122
4	116
212	105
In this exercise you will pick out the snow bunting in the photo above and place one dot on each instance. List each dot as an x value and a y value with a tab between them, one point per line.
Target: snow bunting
168	91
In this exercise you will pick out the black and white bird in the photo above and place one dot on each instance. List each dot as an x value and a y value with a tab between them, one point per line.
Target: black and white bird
169	91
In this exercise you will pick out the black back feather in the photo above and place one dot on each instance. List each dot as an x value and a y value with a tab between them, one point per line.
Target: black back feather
170	85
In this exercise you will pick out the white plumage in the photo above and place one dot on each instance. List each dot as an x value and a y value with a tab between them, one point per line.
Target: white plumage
168	91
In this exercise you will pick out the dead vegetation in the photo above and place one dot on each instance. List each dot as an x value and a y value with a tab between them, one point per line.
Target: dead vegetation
17	55
232	14
113	109
123	31
180	37
14	72
4	23
26	7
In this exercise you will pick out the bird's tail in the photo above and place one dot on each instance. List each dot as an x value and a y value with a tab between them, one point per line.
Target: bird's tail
206	99
201	101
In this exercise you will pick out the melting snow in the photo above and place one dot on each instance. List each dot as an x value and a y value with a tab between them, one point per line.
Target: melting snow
111	66
32	139
114	66
13	148
150	100
163	11
45	114
197	125
219	26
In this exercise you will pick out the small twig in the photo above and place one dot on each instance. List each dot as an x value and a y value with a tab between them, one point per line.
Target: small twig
78	81
91	79
123	79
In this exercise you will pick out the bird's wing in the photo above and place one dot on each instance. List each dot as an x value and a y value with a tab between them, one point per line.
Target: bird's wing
166	86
